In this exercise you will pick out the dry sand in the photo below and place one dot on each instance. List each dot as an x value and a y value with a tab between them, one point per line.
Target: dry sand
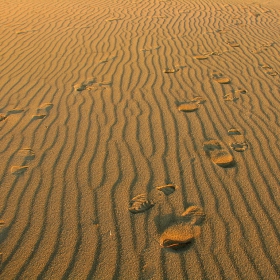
90	93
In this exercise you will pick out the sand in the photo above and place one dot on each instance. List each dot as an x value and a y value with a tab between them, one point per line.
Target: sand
89	120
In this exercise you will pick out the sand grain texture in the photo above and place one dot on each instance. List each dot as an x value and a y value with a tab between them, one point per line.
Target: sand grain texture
88	120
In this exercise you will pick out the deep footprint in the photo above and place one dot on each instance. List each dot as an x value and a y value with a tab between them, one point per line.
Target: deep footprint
178	236
184	231
219	155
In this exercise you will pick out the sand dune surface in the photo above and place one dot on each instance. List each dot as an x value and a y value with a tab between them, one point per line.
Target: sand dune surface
139	139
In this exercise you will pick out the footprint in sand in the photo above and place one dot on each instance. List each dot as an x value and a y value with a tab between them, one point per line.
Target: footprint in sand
239	143
230	97
218	153
183	231
192	105
241	91
143	202
17	170
200	57
42	111
150	49
234	95
167	189
269	70
171	70
220	78
91	84
10	112
15	111
140	203
232	44
22	158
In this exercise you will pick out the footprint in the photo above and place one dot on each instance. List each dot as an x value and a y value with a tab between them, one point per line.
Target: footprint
22	158
17	170
239	146
241	91
200	57
219	155
182	232
178	236
194	214
80	87
233	44
192	105
221	79
167	189
168	70
188	107
238	141
42	111
269	70
234	131
230	97
140	203
15	111
45	107
38	117
26	154
91	84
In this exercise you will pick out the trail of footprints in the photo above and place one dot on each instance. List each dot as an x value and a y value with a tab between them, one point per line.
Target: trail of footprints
187	226
25	155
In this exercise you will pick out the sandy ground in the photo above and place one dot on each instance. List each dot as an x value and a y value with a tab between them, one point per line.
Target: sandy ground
131	128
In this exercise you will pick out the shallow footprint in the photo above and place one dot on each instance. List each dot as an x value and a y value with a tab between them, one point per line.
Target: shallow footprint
168	71
140	203
26	154
80	87
167	189
221	79
194	214
239	146
216	151
17	170
38	116
238	143
188	107
15	111
45	107
200	57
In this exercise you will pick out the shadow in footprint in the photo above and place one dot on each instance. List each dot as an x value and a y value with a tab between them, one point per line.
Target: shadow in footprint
181	233
218	154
